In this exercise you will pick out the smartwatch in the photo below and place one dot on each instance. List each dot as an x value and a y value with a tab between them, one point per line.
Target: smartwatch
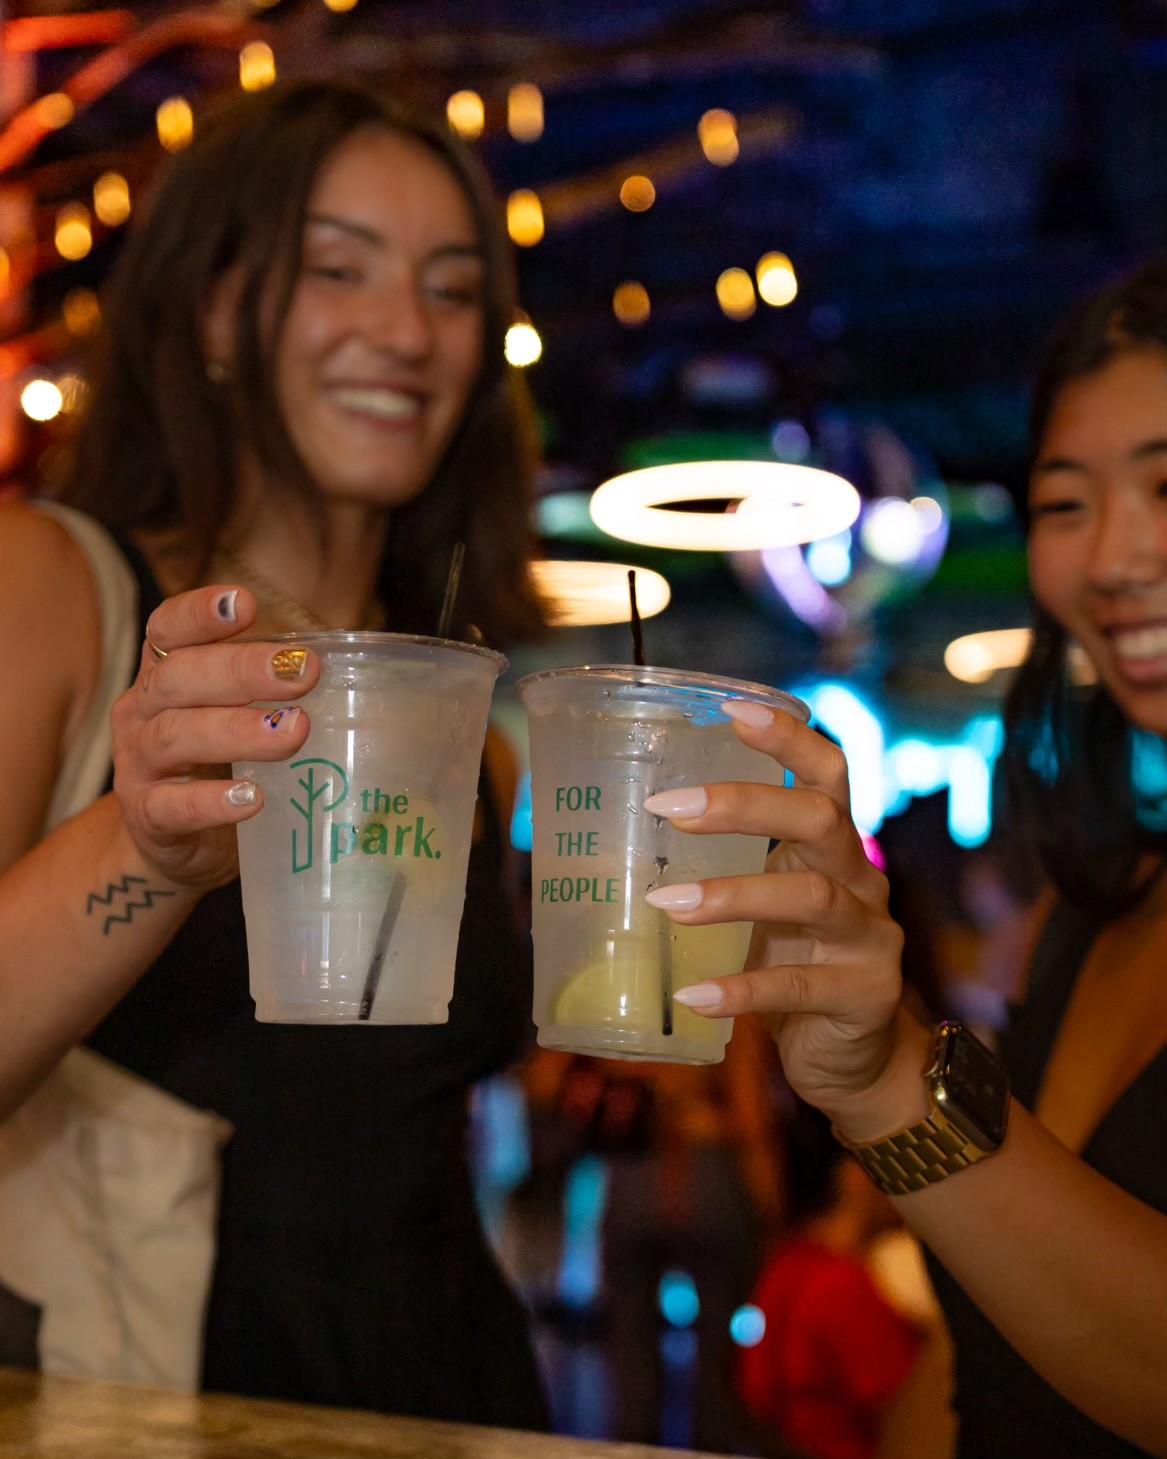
970	1108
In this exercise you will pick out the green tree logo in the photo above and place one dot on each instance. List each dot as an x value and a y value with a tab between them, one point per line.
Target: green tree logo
313	793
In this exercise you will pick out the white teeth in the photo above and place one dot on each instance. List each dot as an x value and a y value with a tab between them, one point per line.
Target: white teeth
1141	643
384	404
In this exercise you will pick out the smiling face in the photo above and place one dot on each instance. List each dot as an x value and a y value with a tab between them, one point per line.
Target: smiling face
383	338
1098	539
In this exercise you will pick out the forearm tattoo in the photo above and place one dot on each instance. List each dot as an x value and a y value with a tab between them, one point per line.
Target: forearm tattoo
129	895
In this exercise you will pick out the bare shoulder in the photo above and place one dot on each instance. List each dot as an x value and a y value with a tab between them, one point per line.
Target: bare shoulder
48	603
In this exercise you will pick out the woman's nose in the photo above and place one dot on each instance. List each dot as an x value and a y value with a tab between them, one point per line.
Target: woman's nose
400	323
1129	549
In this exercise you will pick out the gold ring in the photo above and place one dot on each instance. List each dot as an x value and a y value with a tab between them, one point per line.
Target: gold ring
159	653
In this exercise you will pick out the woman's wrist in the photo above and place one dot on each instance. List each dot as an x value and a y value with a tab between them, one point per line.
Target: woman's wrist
899	1097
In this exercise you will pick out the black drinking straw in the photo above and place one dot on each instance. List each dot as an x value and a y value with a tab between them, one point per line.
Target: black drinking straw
381	946
453	580
637	631
397	890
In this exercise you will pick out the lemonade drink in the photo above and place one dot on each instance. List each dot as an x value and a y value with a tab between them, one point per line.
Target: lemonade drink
603	739
354	872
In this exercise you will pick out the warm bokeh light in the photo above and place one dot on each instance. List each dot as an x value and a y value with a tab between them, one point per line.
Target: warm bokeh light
976	657
257	66
523	345
735	293
582	593
525	217
776	281
637	194
73	233
81	311
630	303
466	114
175	122
111	199
717	132
339	7
525	112
5	271
55	110
41	400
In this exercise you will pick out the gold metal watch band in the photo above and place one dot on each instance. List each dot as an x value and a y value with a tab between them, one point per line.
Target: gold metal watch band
921	1155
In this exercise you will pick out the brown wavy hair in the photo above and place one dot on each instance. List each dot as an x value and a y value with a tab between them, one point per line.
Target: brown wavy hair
158	447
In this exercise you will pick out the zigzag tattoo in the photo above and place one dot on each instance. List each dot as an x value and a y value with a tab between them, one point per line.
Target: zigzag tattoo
123	888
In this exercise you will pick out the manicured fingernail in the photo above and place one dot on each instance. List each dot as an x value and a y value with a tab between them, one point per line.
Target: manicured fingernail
283	721
289	663
225	605
747	711
684	803
700	995
680	898
243	792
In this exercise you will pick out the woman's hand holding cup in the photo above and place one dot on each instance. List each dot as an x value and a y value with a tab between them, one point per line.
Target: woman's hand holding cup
824	963
191	712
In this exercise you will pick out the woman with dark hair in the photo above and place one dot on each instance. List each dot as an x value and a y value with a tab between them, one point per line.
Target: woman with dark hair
1046	1212
301	406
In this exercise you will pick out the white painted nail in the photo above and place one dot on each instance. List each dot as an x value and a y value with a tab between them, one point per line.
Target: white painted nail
225	605
680	898
243	792
684	804
700	995
748	712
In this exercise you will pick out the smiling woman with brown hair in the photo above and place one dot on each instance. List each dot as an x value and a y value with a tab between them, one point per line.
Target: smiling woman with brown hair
301	406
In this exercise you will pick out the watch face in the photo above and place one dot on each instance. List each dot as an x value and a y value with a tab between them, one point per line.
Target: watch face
976	1083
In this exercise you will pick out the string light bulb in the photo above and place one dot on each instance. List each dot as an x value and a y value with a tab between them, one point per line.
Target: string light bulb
717	133
525	112
55	110
466	114
175	122
735	294
525	217
111	199
257	66
73	233
776	280
631	304
637	193
41	400
339	7
523	345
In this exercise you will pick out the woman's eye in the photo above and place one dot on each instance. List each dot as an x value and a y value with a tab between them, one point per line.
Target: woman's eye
456	293
339	273
1054	508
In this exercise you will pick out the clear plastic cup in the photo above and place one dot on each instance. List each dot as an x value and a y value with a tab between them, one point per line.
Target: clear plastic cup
354	872
603	739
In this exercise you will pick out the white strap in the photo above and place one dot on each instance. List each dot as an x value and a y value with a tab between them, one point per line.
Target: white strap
86	766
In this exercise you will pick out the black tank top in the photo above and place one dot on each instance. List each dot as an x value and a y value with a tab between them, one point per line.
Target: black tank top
1006	1409
351	1267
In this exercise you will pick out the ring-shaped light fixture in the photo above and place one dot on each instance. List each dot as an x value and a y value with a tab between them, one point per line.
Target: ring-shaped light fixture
597	592
779	504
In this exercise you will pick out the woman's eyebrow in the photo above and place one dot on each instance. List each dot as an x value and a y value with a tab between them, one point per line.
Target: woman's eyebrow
378	240
346	225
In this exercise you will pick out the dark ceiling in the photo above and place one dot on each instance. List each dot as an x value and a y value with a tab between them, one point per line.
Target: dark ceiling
946	176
